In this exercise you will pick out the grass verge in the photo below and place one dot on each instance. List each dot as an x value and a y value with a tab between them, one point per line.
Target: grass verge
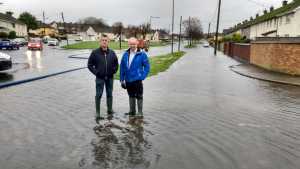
160	63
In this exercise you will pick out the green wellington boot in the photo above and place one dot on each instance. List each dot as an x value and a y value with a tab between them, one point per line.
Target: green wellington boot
132	110
97	103
140	108
109	102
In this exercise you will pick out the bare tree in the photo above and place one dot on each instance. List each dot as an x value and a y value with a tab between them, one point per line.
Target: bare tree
144	29
117	28
193	29
133	31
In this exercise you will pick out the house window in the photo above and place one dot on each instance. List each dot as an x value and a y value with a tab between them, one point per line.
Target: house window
13	25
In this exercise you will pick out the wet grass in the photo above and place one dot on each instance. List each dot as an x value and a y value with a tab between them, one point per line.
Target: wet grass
112	45
160	63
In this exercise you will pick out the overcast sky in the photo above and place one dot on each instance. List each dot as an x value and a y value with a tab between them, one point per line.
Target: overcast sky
139	11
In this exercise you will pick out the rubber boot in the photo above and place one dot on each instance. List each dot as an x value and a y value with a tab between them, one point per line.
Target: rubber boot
97	104
132	109
140	108
109	102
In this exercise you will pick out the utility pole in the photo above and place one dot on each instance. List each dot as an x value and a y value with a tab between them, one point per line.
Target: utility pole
65	30
217	31
190	37
44	20
208	32
179	34
172	50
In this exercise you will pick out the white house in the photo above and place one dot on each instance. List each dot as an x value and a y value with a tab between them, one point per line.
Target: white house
8	23
88	34
283	25
281	22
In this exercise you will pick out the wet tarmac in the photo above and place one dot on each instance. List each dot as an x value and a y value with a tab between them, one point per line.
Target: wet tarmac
198	114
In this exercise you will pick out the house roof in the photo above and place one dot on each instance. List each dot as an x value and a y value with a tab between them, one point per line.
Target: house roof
10	18
283	10
83	27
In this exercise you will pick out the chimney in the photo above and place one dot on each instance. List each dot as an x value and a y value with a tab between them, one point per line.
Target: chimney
284	3
271	8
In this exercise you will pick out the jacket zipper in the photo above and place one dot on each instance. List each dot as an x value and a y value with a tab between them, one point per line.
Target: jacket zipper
105	64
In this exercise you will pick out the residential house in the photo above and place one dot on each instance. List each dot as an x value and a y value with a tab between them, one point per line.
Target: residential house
86	32
280	22
44	30
8	23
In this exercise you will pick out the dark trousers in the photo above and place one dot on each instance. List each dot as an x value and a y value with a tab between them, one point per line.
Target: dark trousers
135	89
108	83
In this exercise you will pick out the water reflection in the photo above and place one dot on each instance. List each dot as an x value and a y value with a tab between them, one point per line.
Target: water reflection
121	146
34	59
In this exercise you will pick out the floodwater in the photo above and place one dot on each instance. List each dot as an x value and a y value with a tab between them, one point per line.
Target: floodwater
198	114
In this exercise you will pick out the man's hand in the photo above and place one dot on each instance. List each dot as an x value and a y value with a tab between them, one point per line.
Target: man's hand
123	84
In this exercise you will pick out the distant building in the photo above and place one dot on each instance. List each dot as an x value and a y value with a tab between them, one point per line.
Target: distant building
8	23
86	32
45	30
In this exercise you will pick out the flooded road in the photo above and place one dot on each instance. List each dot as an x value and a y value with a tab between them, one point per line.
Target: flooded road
198	114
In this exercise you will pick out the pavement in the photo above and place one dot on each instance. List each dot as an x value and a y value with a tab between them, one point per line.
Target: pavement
255	72
198	114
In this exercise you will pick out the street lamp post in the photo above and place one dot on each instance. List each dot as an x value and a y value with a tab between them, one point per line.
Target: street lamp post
172	50
154	17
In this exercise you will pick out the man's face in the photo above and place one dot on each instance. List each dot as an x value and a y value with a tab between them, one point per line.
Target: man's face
132	43
104	42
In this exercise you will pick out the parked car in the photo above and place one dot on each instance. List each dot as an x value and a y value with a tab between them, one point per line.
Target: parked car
45	39
35	43
205	44
8	44
21	41
79	38
53	42
5	61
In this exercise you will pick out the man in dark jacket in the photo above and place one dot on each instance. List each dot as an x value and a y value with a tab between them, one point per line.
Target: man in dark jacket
133	70
103	63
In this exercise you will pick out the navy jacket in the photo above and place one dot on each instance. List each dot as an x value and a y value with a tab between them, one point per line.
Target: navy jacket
103	63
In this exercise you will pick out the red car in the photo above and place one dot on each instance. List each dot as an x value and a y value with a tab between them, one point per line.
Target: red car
35	43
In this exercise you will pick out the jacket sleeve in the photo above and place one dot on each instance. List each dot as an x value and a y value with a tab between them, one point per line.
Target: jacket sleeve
122	69
91	64
115	63
146	66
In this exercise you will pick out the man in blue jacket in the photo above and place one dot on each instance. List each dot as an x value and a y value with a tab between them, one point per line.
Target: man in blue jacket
103	63
134	69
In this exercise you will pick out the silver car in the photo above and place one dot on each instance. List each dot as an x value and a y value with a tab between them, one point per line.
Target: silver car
53	42
5	61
